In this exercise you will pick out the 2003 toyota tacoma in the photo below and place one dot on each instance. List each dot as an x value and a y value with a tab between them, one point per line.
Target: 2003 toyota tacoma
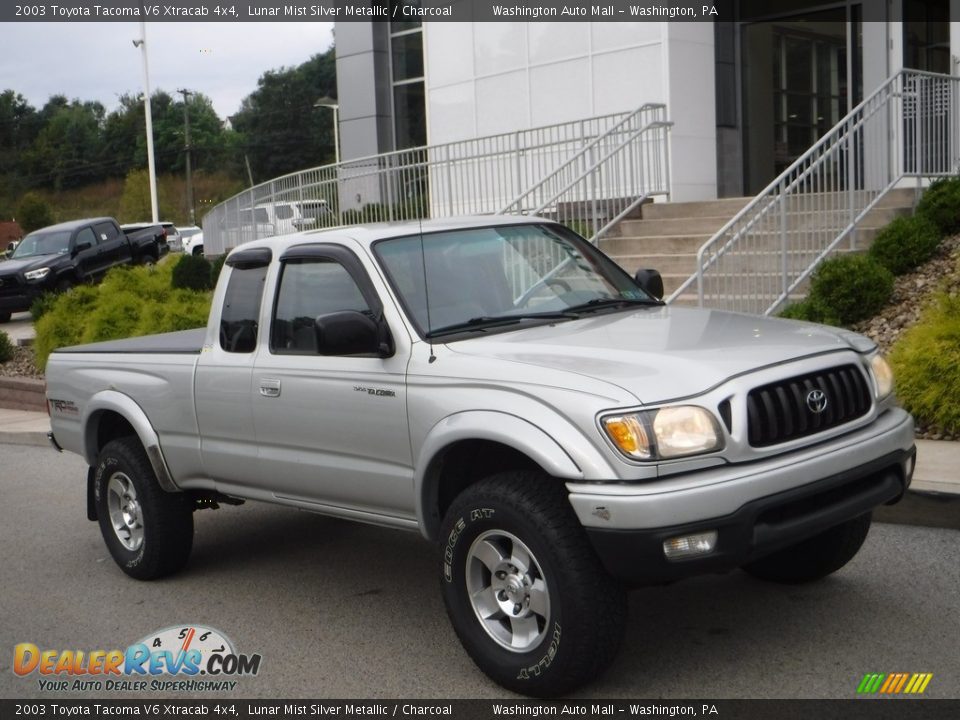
504	388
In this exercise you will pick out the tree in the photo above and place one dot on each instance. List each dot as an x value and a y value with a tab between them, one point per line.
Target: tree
67	149
280	129
135	202
33	213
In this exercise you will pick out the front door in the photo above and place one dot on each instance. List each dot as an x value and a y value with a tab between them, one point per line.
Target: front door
331	430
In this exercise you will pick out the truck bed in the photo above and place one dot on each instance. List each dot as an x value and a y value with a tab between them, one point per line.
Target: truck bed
189	342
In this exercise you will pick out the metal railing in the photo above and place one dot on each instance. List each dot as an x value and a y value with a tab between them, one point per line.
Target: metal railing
909	128
607	178
584	173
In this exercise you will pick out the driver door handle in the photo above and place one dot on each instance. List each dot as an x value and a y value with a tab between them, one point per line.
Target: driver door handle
270	387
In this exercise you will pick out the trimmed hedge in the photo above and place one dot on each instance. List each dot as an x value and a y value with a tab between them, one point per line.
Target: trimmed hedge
940	204
131	301
926	364
905	244
846	289
191	272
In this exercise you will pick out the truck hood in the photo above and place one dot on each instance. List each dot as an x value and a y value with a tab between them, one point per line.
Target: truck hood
663	353
13	267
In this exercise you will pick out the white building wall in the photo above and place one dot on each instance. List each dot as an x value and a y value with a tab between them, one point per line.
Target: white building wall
489	78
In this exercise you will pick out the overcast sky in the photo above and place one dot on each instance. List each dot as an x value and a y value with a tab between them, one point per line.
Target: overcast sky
97	61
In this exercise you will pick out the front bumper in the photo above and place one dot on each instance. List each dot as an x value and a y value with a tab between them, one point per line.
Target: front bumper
22	298
756	509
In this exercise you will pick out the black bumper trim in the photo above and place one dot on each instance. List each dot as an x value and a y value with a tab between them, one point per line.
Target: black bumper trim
760	527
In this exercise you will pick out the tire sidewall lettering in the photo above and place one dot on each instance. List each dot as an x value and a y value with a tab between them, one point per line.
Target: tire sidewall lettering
104	468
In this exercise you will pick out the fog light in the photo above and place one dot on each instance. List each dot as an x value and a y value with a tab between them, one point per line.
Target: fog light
689	545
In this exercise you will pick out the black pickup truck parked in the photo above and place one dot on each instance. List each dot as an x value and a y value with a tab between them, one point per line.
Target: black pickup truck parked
58	257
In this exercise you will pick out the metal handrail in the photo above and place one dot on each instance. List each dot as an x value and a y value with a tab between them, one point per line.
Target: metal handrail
478	176
906	128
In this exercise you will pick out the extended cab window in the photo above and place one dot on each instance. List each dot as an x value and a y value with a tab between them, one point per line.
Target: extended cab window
310	288
241	308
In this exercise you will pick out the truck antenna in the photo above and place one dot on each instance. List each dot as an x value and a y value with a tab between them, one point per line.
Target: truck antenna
426	291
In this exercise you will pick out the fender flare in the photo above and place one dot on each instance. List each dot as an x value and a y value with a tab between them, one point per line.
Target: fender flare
500	427
124	405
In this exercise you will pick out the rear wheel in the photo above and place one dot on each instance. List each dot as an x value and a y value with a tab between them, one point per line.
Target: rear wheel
524	590
5	317
815	557
148	260
148	531
198	250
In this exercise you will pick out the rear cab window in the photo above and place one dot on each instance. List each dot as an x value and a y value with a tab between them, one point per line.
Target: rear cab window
241	309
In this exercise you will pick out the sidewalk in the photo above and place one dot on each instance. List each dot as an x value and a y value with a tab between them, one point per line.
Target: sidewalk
20	329
938	463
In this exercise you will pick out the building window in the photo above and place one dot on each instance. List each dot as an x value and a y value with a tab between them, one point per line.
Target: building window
406	74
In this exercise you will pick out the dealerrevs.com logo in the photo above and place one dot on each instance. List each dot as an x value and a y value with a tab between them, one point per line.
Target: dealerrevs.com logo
177	658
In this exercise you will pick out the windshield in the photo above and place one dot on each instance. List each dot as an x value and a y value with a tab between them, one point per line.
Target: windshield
40	243
489	276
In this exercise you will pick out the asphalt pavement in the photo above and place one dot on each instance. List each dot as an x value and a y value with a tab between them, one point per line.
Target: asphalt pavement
344	610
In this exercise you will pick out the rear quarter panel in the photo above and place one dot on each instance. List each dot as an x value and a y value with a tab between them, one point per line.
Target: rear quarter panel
80	386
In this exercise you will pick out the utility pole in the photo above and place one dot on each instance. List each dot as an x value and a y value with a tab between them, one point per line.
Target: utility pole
141	43
186	146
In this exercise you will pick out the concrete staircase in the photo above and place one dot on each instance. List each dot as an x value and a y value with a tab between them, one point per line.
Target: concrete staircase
668	236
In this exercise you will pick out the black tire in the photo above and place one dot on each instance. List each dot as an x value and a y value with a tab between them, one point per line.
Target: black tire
63	285
198	250
163	521
5	317
148	260
815	557
575	632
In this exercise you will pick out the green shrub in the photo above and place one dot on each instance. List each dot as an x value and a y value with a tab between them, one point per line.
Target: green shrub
192	272
802	310
849	288
6	347
131	301
940	205
33	213
42	305
926	364
905	244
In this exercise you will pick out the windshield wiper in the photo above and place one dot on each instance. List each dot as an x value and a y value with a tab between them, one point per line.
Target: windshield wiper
486	321
605	302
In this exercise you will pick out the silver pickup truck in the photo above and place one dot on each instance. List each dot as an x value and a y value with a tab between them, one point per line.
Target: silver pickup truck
501	386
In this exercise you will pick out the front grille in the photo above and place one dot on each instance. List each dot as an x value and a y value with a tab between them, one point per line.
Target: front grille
787	409
10	285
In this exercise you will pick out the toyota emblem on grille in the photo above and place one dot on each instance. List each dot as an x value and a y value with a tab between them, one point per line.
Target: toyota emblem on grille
816	401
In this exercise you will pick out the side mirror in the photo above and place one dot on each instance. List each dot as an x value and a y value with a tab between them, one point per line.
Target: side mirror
650	282
349	332
80	247
11	246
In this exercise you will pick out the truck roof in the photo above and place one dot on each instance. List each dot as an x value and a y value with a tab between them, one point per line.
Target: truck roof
369	233
74	224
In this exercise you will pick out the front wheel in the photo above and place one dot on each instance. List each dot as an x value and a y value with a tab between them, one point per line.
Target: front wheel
149	532
5	317
524	590
815	557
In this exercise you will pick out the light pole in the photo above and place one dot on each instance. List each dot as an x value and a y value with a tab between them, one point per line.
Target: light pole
151	166
329	102
186	144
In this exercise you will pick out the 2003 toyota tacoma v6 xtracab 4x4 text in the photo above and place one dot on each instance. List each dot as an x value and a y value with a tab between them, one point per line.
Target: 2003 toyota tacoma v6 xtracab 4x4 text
504	388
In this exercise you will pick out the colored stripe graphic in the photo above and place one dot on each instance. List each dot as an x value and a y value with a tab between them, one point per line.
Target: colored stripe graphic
894	683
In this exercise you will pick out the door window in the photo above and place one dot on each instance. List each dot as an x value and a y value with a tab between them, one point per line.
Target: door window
86	236
310	288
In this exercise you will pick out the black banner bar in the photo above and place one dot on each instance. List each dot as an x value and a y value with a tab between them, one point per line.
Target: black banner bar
366	11
148	707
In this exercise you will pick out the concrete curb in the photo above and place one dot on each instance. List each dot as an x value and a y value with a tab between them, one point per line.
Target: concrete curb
39	439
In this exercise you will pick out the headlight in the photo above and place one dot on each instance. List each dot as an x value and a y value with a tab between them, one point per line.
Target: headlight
38	274
665	433
883	375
